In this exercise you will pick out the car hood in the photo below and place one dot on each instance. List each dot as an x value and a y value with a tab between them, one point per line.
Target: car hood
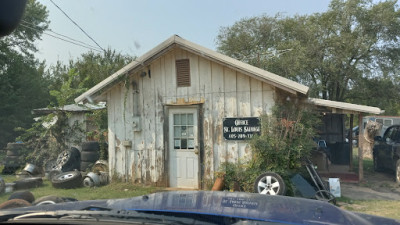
230	204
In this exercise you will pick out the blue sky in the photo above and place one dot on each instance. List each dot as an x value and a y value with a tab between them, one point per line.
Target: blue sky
134	27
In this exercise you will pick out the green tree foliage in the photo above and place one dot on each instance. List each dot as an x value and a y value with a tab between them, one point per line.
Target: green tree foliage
22	87
331	52
69	81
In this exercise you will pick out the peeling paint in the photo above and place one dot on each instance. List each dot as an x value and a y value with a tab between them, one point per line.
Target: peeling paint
190	101
218	134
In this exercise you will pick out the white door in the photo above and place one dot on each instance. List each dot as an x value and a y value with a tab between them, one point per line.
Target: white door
183	145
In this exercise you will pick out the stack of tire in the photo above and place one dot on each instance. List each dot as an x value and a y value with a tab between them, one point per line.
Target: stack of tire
90	154
13	159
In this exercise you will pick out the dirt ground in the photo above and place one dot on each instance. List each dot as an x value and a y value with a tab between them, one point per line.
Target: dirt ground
375	186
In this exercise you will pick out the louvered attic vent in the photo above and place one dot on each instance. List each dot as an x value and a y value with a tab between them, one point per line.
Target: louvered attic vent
182	73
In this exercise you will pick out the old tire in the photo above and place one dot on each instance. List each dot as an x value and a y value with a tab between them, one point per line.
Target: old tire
91	146
27	183
270	183
68	160
90	156
86	165
52	174
67	180
377	164
25	195
397	171
14	203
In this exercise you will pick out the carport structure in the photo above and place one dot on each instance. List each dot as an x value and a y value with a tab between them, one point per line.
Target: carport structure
334	132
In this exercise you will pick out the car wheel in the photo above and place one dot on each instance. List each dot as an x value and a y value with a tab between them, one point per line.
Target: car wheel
397	171
68	160
377	165
270	183
67	180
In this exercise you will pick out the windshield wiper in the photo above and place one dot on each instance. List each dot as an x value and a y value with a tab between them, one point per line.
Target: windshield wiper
101	214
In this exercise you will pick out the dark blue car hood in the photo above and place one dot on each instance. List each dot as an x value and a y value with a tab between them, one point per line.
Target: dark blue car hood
230	204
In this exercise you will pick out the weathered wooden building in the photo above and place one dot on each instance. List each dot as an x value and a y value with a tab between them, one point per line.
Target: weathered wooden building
180	110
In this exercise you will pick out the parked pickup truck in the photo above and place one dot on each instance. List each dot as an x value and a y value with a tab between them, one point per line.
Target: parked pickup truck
386	151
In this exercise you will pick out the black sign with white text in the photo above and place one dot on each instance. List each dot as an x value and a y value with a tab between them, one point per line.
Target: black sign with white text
241	128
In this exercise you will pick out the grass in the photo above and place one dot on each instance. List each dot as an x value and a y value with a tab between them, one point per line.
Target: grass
389	209
384	208
111	191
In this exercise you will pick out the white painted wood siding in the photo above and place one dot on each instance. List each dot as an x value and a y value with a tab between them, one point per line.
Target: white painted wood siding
222	92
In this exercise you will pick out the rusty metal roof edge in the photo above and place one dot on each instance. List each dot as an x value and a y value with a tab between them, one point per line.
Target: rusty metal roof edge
345	106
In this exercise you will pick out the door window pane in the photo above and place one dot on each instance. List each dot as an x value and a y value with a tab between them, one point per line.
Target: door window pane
190	143
177	143
183	119
190	119
177	131
190	131
184	143
177	119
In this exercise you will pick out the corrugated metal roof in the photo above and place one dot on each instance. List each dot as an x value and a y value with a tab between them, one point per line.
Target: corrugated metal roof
273	79
345	107
71	108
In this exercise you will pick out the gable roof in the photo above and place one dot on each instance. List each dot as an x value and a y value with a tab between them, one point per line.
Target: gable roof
257	73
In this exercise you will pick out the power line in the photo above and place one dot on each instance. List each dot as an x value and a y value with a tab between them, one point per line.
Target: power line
85	46
72	40
77	25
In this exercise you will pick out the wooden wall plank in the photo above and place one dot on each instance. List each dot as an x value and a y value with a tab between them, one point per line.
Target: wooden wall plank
111	134
205	89
256	96
268	98
170	78
230	110
193	90
217	84
159	77
244	107
148	118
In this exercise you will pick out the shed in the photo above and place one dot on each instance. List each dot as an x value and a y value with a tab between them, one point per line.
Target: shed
77	117
180	110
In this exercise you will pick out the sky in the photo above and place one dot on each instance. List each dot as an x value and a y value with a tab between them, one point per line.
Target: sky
134	27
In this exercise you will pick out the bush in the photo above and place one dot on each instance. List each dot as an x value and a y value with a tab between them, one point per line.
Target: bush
285	139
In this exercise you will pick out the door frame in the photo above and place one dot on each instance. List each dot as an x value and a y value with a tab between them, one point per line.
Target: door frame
198	108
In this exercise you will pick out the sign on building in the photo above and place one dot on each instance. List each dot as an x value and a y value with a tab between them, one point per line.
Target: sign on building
241	128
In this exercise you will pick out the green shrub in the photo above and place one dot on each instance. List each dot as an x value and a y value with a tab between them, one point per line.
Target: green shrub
285	139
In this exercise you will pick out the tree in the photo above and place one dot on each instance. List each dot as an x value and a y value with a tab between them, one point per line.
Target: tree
22	87
69	81
330	51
